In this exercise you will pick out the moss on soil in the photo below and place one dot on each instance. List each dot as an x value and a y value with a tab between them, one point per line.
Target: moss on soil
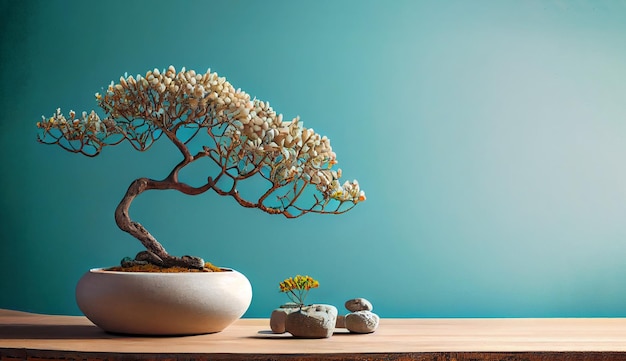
208	267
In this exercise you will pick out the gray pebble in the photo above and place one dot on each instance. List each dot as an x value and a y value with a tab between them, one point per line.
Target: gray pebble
362	322
358	304
341	321
315	321
278	319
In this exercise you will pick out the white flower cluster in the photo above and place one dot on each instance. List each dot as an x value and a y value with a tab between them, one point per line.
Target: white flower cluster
168	98
165	96
88	124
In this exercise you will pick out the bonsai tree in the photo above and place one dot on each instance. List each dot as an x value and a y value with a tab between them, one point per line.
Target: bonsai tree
204	116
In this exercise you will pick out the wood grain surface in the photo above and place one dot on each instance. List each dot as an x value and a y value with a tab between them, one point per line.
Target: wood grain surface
26	336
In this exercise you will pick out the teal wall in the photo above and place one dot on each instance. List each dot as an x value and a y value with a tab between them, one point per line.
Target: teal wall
490	137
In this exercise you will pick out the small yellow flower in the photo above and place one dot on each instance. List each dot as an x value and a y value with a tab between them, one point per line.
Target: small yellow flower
298	287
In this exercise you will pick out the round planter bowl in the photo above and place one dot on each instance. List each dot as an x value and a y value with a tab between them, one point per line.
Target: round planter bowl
144	303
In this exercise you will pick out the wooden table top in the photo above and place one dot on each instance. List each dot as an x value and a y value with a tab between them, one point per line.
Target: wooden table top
33	336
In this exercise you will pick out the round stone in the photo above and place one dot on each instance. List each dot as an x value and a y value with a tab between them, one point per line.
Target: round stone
315	321
358	304
341	321
278	318
362	322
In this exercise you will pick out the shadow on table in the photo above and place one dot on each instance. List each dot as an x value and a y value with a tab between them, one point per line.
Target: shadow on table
268	334
53	332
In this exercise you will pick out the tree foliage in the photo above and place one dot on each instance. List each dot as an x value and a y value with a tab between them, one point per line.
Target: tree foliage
245	138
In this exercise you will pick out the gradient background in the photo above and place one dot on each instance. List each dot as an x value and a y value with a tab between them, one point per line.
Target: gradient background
488	135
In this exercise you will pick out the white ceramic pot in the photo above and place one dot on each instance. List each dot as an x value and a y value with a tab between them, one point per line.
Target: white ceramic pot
145	303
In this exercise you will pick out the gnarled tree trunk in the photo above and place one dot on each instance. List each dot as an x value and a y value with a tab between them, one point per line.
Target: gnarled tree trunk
156	253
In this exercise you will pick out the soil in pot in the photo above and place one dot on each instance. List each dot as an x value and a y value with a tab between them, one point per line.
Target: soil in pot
208	267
